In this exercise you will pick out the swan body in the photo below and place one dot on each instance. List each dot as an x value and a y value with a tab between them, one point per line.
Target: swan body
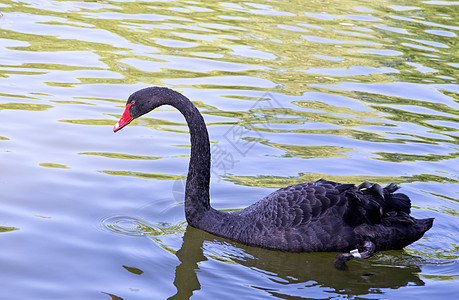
320	216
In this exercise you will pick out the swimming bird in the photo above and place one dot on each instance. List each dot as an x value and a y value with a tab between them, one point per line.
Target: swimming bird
320	216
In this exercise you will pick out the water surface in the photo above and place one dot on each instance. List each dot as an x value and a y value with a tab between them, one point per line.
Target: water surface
291	91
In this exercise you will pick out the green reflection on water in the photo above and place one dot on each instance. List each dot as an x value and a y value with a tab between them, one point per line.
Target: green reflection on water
277	116
135	226
133	270
401	157
417	118
350	133
448	252
138	227
7	228
144	175
90	122
73	102
447	198
310	151
335	109
385	99
53	165
279	181
25	106
120	155
279	43
442	277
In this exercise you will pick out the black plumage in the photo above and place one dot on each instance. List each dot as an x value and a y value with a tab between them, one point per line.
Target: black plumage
307	217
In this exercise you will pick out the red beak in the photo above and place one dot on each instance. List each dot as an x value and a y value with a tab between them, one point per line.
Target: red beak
126	118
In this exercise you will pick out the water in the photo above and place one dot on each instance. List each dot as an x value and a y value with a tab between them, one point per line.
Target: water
291	91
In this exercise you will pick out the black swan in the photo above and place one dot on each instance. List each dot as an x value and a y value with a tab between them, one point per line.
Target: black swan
321	216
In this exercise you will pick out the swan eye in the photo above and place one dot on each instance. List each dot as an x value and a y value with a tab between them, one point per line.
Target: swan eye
132	102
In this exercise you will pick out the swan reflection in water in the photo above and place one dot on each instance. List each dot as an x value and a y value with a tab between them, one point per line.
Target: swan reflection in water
285	268
282	273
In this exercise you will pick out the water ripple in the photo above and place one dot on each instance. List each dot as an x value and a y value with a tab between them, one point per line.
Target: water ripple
291	91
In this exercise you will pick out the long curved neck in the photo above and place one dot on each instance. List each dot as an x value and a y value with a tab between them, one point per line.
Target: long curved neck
197	200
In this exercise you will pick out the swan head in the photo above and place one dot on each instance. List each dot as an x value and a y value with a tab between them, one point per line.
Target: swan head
140	103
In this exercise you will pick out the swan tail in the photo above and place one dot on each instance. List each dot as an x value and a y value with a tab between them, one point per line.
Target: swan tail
373	204
398	202
386	216
423	225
